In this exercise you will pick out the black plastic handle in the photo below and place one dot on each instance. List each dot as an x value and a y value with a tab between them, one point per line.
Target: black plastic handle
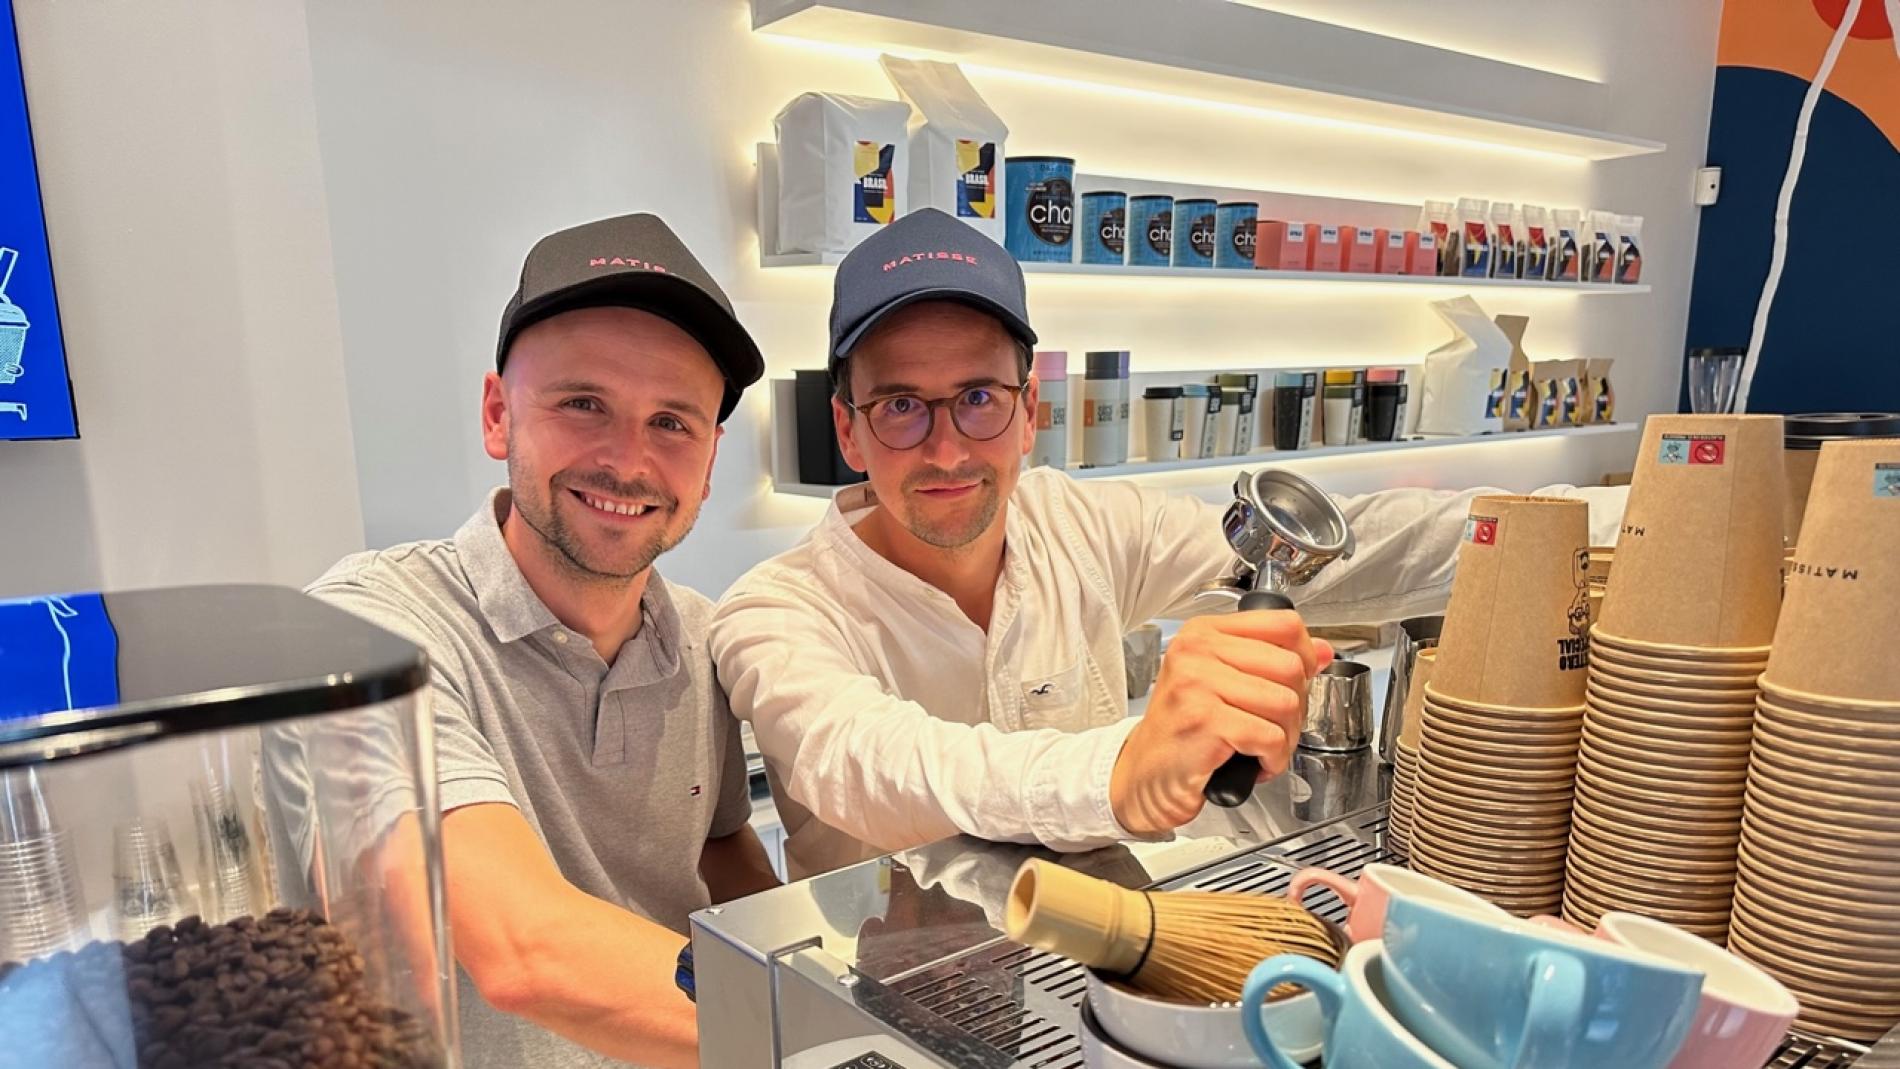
1233	782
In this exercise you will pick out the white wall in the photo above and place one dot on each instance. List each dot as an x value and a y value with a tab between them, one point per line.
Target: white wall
453	135
284	232
178	153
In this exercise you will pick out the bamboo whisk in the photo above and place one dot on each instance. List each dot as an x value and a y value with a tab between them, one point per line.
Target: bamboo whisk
1185	946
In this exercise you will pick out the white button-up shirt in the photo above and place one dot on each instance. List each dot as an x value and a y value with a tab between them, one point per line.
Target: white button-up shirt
888	719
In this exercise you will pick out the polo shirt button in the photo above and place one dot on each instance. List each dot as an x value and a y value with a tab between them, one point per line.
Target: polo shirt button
560	637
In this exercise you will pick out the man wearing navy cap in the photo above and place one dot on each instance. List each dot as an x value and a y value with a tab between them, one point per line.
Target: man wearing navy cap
943	654
592	780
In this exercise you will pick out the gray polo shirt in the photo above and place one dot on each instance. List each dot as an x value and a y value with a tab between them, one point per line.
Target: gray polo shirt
624	771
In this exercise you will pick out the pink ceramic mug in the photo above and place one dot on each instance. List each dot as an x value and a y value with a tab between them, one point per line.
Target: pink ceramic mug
1366	897
1744	1012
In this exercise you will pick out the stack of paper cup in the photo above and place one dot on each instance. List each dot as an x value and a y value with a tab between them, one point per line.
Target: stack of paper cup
1675	654
1817	896
1405	762
1503	710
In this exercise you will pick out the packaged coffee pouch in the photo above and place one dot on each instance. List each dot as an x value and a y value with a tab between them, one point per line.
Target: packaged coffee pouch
1507	240
1518	399
1629	253
1546	394
1568	376
1435	218
1600	262
1459	390
1536	230
842	164
1568	246
1601	400
1494	399
1474	237
956	144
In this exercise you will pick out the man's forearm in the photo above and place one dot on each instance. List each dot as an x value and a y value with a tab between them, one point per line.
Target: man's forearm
736	865
602	977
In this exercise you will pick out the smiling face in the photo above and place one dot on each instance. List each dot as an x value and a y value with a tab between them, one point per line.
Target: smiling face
607	418
948	490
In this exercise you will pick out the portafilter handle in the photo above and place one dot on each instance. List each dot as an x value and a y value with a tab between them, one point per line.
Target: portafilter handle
1233	782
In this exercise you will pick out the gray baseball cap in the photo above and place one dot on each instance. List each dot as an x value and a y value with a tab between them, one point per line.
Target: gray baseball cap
924	256
632	261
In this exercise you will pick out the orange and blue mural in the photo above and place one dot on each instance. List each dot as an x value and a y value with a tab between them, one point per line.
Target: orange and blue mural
1833	340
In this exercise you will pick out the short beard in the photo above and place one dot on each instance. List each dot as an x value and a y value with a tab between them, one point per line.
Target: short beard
962	532
570	553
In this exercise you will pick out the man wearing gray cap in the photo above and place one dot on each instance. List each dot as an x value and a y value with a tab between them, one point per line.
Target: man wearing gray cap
592	781
943	653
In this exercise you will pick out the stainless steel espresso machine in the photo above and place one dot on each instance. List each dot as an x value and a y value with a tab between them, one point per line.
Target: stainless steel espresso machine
900	962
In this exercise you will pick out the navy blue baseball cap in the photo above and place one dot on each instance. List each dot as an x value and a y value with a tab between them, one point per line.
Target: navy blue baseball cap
632	261
924	256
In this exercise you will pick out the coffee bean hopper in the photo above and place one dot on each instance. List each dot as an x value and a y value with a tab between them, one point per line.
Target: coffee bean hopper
219	836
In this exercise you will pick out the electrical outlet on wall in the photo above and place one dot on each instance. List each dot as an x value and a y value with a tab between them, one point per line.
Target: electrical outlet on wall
1708	185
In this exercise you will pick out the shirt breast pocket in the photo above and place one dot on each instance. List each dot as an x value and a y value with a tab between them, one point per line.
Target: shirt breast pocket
1055	701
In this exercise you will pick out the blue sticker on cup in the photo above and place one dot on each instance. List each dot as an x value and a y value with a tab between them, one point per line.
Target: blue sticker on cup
1887	480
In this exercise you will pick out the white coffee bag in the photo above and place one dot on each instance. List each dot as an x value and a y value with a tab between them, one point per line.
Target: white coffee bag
956	143
842	164
1459	375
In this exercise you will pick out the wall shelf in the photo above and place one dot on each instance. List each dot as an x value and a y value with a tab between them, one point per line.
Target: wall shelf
1277	458
1272	204
1189	274
1239	55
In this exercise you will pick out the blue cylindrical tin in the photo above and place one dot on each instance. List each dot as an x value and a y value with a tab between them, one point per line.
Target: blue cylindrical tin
1104	234
1234	223
1151	230
1194	233
1040	194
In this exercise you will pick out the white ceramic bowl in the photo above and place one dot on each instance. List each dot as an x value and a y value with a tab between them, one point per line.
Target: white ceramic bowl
1199	1037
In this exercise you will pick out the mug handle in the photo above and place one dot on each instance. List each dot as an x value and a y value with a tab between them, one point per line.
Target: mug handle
1308	878
1554	1016
1327	986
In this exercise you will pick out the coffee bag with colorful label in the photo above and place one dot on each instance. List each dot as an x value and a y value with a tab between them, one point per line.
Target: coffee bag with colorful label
1568	246
1474	237
1507	240
842	162
1536	228
956	144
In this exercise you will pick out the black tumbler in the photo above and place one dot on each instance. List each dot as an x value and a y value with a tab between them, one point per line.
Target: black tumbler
1382	415
1289	405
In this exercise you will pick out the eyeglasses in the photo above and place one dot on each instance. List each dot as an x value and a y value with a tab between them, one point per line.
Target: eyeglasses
905	420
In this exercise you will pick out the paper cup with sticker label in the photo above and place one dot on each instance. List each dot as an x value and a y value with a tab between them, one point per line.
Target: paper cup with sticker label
1835	638
1698	563
1515	633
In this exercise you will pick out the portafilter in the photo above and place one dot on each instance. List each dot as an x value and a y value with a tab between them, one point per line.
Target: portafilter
1286	530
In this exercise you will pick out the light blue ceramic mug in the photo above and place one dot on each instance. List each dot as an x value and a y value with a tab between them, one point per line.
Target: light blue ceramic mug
1361	1031
1496	992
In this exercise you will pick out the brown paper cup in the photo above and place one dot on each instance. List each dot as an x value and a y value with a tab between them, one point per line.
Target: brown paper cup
1515	633
1800	464
1836	637
1412	728
1699	559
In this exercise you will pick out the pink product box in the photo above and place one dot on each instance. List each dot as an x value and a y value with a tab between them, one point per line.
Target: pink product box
1282	246
1362	248
1329	248
1392	245
1421	253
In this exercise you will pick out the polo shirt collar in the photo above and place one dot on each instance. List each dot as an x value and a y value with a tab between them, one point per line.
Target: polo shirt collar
514	611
